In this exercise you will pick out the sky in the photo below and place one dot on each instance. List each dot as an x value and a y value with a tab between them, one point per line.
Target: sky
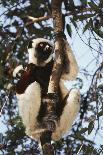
86	59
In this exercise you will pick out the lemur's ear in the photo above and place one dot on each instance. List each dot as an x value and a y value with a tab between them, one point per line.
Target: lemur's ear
30	44
70	69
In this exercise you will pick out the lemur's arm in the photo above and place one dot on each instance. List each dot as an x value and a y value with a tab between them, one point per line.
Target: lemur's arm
24	75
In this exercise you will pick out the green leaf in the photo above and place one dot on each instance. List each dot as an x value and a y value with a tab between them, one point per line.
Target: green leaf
100	113
81	137
86	16
98	32
83	130
84	2
93	6
73	22
100	87
90	127
69	30
88	25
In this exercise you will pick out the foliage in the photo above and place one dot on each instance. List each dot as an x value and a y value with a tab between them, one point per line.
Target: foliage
15	32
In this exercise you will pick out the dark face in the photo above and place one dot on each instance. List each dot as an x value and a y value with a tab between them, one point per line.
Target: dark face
40	53
44	50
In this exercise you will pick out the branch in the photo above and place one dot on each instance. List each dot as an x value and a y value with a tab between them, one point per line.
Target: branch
59	47
8	52
31	20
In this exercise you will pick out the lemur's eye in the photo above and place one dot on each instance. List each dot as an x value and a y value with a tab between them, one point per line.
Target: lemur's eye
47	47
41	44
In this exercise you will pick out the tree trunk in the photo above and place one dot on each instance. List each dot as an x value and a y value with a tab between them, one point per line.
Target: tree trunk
50	120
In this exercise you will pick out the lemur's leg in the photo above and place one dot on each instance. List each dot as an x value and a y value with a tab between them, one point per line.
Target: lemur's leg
69	113
29	105
70	68
29	99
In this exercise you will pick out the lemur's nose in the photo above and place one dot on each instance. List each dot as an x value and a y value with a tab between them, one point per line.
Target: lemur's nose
30	44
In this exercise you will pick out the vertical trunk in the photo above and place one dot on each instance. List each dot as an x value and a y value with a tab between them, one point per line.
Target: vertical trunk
52	96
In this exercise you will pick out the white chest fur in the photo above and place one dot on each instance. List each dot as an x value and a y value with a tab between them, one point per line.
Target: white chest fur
29	105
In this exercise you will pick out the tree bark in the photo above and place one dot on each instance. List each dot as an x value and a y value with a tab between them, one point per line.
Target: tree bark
50	120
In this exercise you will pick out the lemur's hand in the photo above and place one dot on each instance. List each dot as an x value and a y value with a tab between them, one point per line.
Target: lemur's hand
21	78
18	71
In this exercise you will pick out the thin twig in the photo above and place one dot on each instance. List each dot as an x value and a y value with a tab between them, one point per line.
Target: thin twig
79	149
35	20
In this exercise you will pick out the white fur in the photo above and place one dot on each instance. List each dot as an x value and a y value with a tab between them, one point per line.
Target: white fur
32	58
32	52
38	40
30	101
29	105
68	116
17	69
72	68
